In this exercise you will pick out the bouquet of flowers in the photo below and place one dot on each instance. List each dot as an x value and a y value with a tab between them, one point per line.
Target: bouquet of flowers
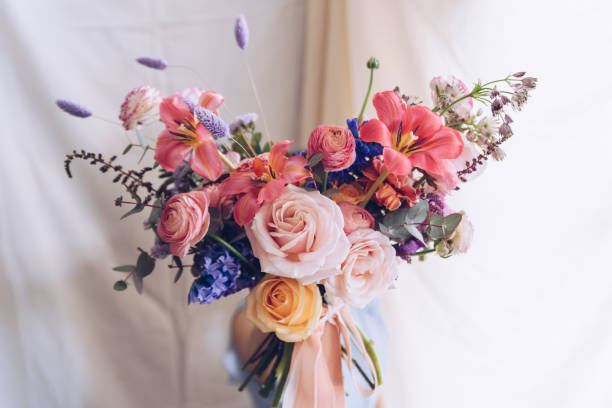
309	234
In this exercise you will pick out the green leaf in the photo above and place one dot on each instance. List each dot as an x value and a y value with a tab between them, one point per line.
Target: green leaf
137	283
120	285
395	218
451	222
144	265
397	232
267	147
414	231
417	213
435	229
179	264
314	159
124	268
255	141
155	215
127	148
137	208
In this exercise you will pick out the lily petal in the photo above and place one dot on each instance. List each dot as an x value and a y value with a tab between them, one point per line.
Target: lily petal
376	131
245	209
271	191
396	162
169	152
238	183
446	143
205	160
389	108
173	109
420	120
440	169
295	169
277	155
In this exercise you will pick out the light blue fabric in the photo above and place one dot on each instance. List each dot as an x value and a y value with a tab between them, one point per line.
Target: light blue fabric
369	320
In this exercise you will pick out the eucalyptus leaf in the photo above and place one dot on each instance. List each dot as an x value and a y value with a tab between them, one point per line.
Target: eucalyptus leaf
124	268
120	285
395	218
436	228
397	232
144	265
314	159
418	213
451	222
414	231
179	264
137	283
155	215
137	208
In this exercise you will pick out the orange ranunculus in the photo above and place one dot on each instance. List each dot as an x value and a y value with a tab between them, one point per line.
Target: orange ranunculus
284	306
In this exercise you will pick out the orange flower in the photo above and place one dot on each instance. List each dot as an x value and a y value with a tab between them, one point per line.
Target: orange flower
352	193
284	306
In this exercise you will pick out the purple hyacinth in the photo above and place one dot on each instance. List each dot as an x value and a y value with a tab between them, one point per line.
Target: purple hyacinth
241	32
153	62
242	120
212	122
219	273
73	108
409	248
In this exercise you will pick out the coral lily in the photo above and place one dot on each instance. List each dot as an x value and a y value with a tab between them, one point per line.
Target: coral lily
263	179
413	136
185	134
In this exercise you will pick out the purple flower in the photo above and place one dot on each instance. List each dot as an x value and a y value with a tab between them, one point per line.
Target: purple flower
241	32
242	120
212	122
160	249
73	108
153	62
409	248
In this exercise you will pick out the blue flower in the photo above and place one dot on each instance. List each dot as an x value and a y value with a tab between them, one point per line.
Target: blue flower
219	273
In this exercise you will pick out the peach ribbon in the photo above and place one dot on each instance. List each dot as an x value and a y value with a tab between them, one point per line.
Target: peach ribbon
315	377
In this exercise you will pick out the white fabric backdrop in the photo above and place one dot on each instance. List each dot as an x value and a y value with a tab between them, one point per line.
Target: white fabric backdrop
520	321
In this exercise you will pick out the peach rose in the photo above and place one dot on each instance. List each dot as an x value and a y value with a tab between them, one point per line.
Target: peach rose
355	217
184	221
299	235
369	270
283	306
337	145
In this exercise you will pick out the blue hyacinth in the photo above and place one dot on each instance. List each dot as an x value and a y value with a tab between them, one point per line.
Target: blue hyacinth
219	273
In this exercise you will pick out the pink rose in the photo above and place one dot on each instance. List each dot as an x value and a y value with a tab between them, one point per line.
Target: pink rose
369	269
299	235
184	221
337	145
355	217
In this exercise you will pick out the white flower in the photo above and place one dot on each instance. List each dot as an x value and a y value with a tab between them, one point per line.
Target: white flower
446	90
141	106
488	126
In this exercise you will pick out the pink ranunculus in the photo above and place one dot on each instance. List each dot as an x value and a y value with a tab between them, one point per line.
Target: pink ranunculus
369	269
184	221
355	217
337	145
299	235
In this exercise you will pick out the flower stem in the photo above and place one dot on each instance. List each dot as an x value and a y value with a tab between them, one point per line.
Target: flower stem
423	252
372	354
367	97
283	368
232	250
374	187
325	180
228	163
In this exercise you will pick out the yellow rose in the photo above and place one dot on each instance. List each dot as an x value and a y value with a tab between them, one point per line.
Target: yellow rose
284	306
